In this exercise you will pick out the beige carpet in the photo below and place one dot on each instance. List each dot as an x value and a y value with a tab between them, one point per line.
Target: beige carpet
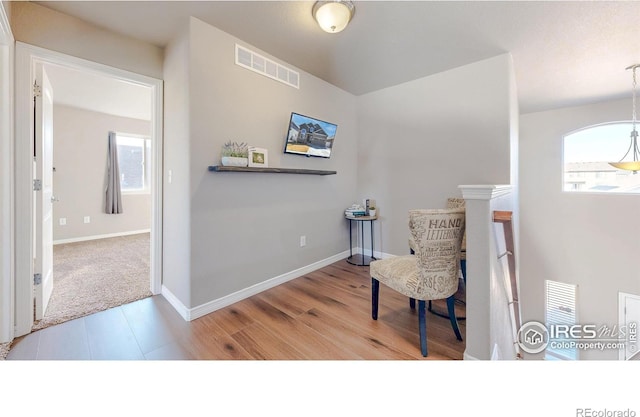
97	275
4	350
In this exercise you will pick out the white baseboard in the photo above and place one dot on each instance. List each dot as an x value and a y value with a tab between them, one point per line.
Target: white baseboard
467	357
202	310
225	301
176	303
95	237
376	254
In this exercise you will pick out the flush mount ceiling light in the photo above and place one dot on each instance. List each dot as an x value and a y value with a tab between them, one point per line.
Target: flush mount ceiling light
333	16
634	164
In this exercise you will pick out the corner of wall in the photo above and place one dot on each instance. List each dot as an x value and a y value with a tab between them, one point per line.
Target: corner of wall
176	196
410	138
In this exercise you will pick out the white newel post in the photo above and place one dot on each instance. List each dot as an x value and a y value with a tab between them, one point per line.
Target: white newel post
483	303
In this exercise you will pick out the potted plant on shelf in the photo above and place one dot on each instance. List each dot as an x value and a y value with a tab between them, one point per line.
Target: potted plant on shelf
235	154
372	211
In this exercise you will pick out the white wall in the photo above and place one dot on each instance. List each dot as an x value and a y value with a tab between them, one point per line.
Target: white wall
419	140
40	26
585	239
80	160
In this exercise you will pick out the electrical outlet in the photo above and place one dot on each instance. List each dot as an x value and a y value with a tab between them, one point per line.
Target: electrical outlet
303	241
63	221
87	219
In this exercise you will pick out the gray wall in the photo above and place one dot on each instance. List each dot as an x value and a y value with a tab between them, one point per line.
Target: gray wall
80	159
419	140
176	264
245	227
586	239
40	26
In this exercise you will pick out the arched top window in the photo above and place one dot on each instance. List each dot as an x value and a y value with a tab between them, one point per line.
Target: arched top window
586	156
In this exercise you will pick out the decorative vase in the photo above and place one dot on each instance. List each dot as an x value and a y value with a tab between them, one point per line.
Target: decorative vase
234	161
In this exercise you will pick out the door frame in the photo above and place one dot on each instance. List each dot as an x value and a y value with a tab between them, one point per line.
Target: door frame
43	169
6	179
26	57
622	323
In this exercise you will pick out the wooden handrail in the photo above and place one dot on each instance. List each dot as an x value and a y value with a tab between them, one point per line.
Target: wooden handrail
502	216
506	219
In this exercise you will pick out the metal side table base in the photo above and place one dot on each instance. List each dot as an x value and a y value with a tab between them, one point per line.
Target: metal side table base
360	259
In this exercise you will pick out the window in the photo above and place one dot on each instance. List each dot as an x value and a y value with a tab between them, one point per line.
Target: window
134	163
587	154
560	309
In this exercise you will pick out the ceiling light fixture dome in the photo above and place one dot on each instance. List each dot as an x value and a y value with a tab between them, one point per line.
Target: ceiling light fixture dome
634	164
333	16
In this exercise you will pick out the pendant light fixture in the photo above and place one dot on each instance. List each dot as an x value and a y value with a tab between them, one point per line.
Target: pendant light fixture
333	16
634	164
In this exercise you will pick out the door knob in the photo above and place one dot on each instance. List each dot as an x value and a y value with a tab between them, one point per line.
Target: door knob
54	199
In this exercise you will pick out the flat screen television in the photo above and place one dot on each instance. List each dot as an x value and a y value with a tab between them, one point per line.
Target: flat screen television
309	136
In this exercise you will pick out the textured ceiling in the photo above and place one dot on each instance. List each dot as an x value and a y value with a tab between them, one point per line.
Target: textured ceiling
564	53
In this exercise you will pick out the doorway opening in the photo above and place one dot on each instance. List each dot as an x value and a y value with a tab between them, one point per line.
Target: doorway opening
99	260
629	319
91	252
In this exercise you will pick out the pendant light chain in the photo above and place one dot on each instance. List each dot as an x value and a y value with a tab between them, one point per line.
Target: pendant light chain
633	150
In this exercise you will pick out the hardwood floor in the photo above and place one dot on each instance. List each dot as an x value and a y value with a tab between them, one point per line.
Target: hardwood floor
320	316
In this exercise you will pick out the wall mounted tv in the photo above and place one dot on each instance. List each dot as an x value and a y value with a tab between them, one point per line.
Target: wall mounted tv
310	137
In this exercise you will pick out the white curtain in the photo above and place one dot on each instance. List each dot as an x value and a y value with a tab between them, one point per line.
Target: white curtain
113	193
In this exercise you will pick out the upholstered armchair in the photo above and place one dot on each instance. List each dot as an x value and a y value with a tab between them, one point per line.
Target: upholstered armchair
432	273
452	202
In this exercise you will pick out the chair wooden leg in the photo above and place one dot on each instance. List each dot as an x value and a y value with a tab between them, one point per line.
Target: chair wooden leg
422	323
452	316
375	293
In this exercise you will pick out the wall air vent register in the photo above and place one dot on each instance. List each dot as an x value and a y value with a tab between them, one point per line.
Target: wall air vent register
264	66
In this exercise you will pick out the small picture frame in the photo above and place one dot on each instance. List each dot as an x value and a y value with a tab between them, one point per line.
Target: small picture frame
258	157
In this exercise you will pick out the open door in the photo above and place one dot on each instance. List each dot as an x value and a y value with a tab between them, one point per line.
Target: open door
43	194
